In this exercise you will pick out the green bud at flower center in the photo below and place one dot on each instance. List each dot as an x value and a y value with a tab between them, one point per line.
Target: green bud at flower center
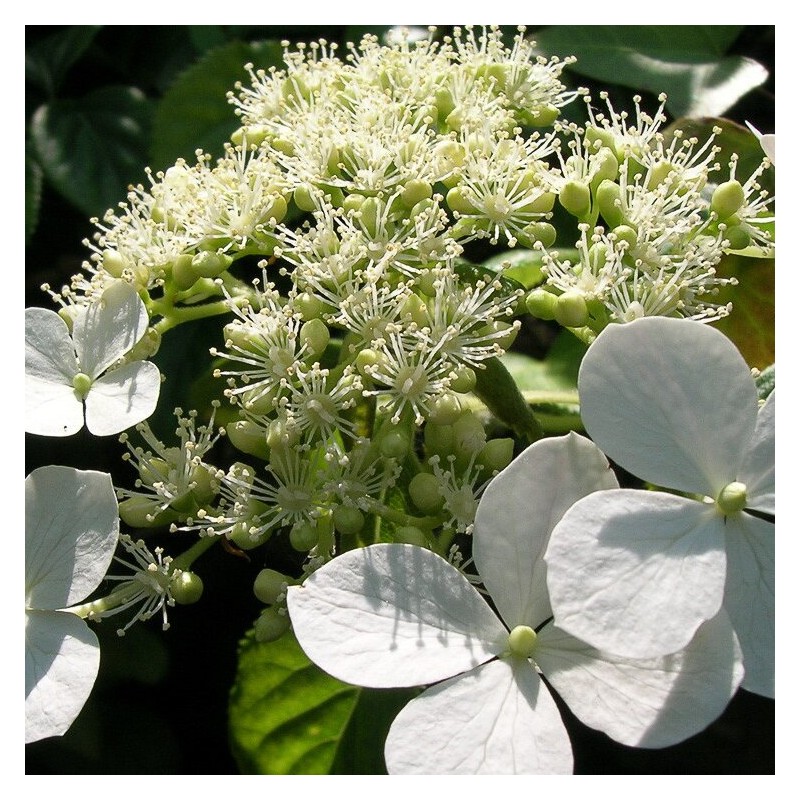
82	383
733	498
522	641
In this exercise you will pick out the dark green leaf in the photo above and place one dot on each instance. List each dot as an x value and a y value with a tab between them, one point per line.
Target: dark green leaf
686	61
522	266
287	717
33	195
47	61
195	113
92	148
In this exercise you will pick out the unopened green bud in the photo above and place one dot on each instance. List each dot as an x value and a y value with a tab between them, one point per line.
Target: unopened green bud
415	308
571	311
606	166
271	624
183	276
445	409
542	232
310	306
610	203
597	138
727	199
496	454
143	512
250	135
410	534
625	233
425	494
146	347
541	304
186	587
303	536
114	263
469	435
541	117
348	520
576	198
369	214
457	201
438	439
248	437
658	174
305	196
270	586
465	380
738	238
394	445
415	190
207	264
315	335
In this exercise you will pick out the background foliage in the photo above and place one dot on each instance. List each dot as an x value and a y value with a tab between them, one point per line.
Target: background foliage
101	103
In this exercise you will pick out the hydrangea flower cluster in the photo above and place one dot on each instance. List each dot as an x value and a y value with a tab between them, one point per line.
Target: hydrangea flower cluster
340	240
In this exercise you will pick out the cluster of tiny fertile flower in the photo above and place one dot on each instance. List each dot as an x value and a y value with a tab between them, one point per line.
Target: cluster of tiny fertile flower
360	186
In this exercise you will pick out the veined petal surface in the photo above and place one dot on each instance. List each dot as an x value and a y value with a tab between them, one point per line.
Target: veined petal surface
645	702
108	328
498	719
636	573
758	470
516	514
670	400
62	657
71	531
122	398
393	615
51	406
750	597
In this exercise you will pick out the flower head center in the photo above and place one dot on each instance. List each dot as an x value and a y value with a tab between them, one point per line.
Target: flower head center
82	383
733	498
522	641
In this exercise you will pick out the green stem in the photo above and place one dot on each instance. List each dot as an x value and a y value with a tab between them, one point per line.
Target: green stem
498	390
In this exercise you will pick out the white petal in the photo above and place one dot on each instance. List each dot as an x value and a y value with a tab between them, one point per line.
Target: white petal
670	400
51	406
109	328
645	702
766	140
393	615
758	471
122	398
62	657
71	530
516	514
750	597
635	572
498	719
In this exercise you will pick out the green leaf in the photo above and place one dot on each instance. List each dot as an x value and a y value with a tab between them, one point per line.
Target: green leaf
522	266
557	373
195	113
92	148
48	61
33	195
751	324
685	61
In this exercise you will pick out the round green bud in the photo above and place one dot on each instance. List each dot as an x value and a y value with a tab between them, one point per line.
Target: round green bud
507	332
658	174
606	166
571	311
541	304
186	587
281	433
410	534
144	512
310	306
469	435
465	380
598	138
114	263
183	276
348	520
576	198
542	232
207	264
415	190
276	210
394	445
496	454
353	202
522	641
240	535
303	536
733	498
444	102
369	214
304	197
426	281
625	233
366	359
738	238
82	383
270	586
610	203
315	335
424	491
416	308
271	624
727	199
445	409
457	201
248	437
541	117
438	439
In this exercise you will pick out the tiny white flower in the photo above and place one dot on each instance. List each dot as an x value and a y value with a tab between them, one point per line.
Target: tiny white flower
399	615
71	530
673	402
64	373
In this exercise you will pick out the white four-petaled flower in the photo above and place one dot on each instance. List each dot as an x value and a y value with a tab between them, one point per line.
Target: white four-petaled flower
63	372
673	402
71	530
399	615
